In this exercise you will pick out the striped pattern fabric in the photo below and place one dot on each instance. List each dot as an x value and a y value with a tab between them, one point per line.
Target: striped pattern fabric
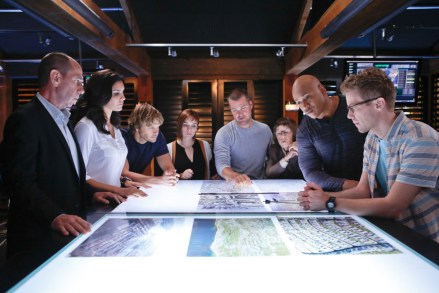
412	149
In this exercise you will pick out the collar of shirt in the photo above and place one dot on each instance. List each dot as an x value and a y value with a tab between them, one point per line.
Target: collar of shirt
394	129
60	116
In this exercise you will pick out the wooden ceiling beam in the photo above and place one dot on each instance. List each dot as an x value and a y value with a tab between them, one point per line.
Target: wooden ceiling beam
301	20
132	21
318	47
59	14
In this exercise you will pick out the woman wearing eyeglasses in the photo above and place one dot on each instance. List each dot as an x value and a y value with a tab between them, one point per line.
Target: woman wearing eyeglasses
282	162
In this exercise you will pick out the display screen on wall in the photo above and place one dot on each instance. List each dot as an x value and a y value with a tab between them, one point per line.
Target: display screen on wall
404	75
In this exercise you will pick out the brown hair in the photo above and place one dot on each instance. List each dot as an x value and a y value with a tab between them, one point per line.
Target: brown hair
291	124
236	94
144	113
182	117
371	83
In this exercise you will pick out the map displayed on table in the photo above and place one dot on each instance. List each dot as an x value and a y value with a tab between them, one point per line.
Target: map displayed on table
230	202
223	186
283	202
130	237
231	236
333	235
223	196
235	237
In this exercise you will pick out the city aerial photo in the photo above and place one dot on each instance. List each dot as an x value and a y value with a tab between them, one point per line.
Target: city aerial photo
130	237
229	202
333	235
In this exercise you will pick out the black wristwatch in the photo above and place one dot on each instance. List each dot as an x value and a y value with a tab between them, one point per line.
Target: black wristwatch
330	204
123	180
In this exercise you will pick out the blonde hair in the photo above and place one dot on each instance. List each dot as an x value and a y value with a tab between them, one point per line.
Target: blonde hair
144	113
371	83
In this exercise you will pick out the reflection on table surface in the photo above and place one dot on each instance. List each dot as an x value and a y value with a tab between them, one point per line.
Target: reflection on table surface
190	196
190	252
203	236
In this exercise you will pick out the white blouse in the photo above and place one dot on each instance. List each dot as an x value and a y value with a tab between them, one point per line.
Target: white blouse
104	156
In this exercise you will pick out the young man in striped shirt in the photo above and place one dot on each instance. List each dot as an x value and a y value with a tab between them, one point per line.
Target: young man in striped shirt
400	164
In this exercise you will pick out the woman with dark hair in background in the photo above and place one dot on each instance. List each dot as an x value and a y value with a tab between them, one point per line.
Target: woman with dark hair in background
191	157
282	160
99	137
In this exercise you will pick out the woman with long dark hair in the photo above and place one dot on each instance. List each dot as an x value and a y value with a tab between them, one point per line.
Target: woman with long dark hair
99	136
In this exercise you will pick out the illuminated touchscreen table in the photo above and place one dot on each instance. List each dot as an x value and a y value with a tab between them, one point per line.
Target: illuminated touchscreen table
289	252
205	196
210	236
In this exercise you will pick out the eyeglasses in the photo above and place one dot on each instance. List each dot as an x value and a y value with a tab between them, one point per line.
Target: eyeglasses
283	133
351	107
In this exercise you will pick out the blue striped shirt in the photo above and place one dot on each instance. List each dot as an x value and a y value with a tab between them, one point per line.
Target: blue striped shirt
412	157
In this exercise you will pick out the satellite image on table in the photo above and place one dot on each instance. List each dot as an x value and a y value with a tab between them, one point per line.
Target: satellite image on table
235	237
130	237
214	202
333	235
223	186
231	236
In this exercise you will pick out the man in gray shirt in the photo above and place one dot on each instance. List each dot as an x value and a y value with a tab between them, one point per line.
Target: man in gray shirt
241	145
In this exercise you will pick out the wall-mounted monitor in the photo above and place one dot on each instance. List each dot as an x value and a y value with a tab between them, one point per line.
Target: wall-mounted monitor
404	75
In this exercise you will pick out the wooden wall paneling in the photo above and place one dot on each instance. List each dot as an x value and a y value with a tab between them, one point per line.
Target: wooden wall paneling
129	103
5	102
267	101
168	100
287	82
217	69
216	108
23	90
199	98
144	88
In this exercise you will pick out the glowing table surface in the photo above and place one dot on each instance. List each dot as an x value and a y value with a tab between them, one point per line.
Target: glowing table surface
166	243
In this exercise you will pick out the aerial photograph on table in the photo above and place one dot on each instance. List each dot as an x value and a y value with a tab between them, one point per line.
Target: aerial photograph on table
231	236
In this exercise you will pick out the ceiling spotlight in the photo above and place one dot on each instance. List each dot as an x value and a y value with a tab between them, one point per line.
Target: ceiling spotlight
390	37
383	33
280	52
172	53
45	41
387	35
99	66
214	52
